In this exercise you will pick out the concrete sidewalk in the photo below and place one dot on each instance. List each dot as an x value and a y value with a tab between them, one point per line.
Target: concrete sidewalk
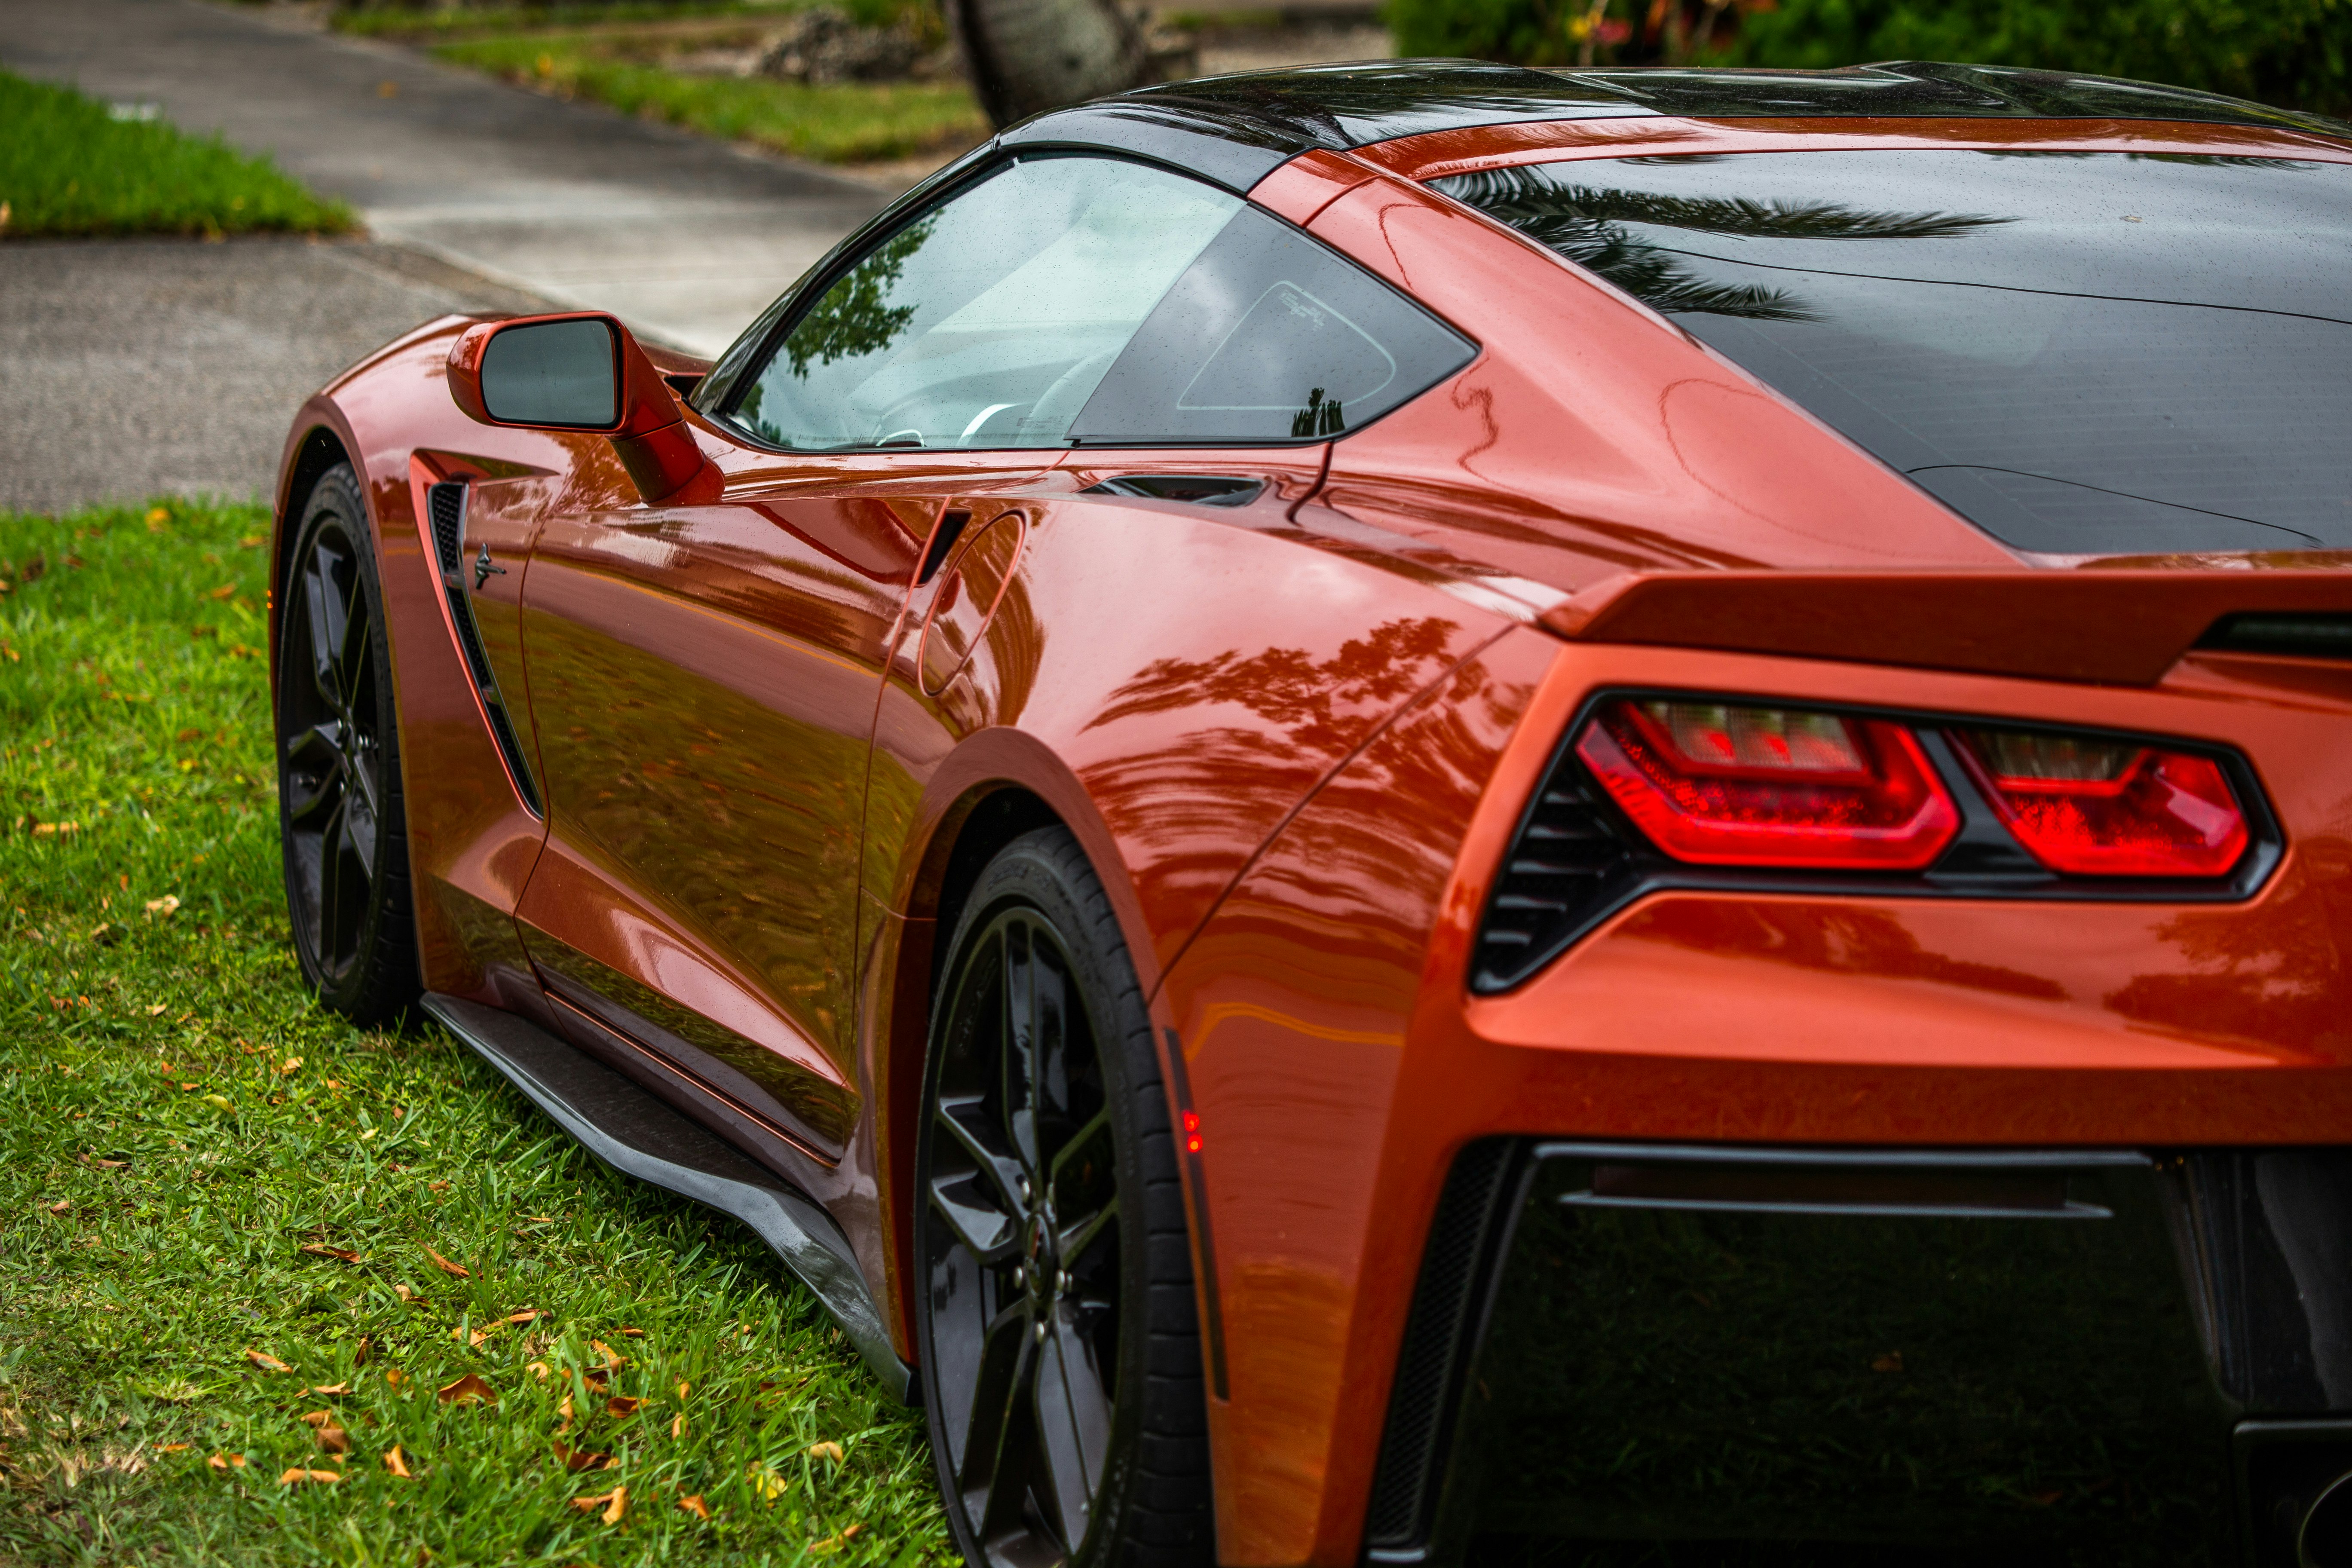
683	237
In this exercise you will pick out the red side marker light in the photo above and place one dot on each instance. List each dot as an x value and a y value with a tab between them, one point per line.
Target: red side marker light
1191	1133
1721	785
2109	808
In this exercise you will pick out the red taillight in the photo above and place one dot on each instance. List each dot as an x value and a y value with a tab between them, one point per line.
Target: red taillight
2106	808
1727	786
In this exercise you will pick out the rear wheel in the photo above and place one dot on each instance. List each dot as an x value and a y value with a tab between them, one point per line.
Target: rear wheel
340	817
1061	1360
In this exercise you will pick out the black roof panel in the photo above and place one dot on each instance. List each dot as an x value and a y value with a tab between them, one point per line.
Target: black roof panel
1237	129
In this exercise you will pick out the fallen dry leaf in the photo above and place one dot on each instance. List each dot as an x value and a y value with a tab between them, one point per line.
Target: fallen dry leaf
394	1378
467	1390
62	1206
633	1334
218	1102
334	1440
678	1425
613	1358
622	1406
436	1187
103	1164
226	1462
835	1542
266	1362
695	1505
332	1388
541	1370
614	1503
825	1450
298	1475
682	1386
405	1294
528	1315
165	906
446	1267
317	1418
578	1460
316	1250
173	1448
395	1464
595	1378
765	1481
360	1351
1891	1362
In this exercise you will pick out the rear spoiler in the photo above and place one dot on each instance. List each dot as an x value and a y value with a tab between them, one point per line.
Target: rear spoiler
2118	628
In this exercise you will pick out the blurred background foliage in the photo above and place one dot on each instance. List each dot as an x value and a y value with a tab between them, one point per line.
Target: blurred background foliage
2294	54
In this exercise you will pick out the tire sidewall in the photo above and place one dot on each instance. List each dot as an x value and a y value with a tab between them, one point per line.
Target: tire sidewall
336	499
1030	873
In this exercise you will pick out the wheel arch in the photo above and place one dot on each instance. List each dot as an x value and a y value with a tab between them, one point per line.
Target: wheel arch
317	442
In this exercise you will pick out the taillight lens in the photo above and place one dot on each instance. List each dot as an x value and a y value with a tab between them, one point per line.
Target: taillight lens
2108	809
1721	785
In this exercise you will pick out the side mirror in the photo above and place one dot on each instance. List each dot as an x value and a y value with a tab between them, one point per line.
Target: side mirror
578	372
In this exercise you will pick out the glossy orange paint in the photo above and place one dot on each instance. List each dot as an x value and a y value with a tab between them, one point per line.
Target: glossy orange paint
1338	1060
1293	738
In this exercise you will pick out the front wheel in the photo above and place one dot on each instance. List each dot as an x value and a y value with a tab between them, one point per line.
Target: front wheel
340	817
1061	1358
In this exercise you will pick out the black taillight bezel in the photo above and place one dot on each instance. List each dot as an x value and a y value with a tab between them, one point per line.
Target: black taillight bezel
1984	861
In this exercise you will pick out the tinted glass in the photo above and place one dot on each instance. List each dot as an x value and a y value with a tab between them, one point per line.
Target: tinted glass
988	320
2084	353
554	373
1270	337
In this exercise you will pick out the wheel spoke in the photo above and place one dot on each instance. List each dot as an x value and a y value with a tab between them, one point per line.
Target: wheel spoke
314	776
981	1229
323	609
1073	1430
1077	1237
330	888
993	1474
1020	1043
351	650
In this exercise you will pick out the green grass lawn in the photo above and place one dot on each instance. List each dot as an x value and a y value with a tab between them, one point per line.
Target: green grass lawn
68	167
850	123
410	26
221	1306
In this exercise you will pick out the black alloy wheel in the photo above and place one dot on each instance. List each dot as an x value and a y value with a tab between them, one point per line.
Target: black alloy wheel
1060	1356
339	798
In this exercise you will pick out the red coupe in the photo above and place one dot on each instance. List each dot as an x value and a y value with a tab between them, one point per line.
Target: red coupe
1433	810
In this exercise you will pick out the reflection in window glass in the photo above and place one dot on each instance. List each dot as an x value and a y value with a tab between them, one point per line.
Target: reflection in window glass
989	321
1270	337
2090	353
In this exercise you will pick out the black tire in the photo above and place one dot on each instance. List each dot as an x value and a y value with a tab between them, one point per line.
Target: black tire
1086	1289
340	814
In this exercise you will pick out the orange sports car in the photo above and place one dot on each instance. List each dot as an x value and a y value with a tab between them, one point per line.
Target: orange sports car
1433	810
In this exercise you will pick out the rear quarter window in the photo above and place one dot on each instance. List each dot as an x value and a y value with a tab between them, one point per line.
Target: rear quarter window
2085	354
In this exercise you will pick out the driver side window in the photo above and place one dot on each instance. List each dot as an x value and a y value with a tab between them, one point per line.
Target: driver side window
990	319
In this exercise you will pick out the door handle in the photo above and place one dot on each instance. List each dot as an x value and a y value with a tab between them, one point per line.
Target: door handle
483	569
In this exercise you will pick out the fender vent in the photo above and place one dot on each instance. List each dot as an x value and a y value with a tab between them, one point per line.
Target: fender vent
447	505
1567	862
1466	1236
444	506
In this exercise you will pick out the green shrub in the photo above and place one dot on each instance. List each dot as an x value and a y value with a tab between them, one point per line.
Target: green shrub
2296	54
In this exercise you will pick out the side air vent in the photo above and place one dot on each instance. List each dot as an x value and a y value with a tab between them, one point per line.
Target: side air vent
1200	489
1567	862
1465	1236
444	506
2307	636
446	502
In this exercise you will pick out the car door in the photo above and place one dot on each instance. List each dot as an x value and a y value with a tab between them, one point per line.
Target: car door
704	675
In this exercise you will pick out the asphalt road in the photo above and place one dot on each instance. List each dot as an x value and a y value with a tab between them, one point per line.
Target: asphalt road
136	368
141	367
685	238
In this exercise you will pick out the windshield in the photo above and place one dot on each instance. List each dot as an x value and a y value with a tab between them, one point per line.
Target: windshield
2081	353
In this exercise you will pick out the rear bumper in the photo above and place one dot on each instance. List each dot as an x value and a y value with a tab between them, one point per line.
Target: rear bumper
2138	1356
